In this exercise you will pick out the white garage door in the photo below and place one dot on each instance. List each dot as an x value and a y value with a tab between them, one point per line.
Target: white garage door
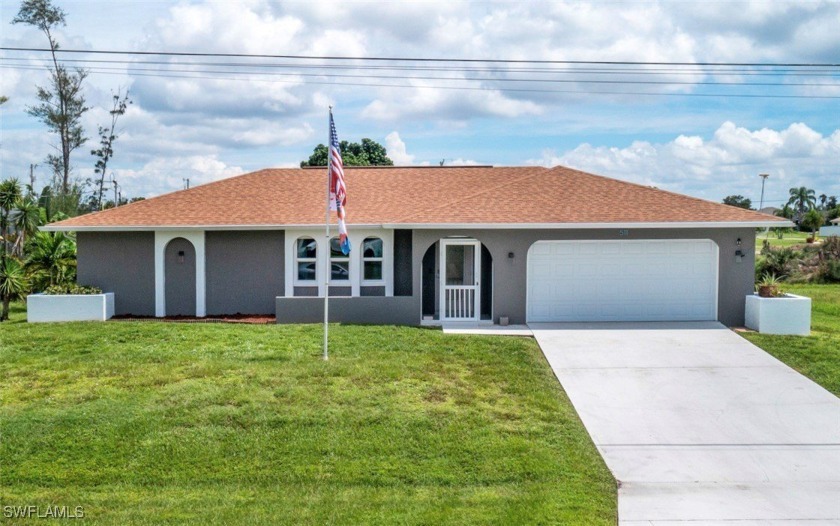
642	280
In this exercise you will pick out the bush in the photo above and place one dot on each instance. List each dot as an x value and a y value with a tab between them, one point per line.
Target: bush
830	272
72	289
830	260
776	261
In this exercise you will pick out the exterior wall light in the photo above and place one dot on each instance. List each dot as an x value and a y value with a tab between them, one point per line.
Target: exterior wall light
510	255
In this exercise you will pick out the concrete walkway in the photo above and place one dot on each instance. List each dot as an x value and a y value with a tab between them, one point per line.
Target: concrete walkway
698	425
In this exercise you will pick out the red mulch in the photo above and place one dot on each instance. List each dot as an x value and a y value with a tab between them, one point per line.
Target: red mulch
226	318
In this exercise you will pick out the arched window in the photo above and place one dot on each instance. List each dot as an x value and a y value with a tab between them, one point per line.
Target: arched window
306	260
372	259
339	263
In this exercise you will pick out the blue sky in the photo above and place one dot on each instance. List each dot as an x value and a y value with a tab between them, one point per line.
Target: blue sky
206	129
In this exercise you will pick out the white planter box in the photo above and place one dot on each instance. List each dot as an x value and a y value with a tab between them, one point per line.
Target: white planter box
788	314
69	307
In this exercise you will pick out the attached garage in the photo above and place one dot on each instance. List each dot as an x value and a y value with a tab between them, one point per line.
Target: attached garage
622	280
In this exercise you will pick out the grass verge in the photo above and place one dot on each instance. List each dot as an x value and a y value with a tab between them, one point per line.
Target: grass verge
816	356
162	423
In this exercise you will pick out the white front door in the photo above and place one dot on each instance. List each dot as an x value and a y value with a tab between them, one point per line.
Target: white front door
460	287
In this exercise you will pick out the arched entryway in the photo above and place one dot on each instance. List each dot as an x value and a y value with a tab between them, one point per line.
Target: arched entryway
179	286
467	293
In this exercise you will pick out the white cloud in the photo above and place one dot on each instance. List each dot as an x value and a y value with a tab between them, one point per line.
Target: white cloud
727	164
396	150
167	175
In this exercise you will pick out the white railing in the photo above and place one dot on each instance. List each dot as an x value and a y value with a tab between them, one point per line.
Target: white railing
459	303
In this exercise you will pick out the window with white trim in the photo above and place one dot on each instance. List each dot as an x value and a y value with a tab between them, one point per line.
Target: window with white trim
372	260
339	262
306	261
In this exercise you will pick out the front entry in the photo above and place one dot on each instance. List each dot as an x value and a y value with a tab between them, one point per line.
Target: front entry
460	288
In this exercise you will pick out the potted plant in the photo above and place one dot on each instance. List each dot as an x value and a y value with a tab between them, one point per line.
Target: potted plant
772	311
769	286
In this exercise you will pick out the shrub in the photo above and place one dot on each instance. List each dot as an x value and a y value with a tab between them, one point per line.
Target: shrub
776	261
830	271
71	289
829	258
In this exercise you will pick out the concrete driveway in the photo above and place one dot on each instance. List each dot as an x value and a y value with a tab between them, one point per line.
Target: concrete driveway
697	424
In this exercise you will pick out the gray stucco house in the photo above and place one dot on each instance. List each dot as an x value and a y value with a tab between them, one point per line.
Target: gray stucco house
431	244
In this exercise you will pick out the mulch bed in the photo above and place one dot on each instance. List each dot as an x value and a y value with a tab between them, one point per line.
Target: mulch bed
227	318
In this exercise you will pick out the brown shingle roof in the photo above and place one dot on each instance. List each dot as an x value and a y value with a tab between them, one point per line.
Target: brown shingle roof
417	195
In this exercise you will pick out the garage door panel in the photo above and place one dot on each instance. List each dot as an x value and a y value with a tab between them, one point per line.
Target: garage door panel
648	280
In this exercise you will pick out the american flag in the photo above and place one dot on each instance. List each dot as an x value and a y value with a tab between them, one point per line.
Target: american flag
338	190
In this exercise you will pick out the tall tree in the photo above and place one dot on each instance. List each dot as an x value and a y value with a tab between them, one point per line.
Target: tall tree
738	200
802	199
61	104
25	218
823	199
366	153
10	194
107	136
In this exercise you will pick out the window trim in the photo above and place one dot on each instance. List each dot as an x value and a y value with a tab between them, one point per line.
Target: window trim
340	259
296	260
357	236
372	282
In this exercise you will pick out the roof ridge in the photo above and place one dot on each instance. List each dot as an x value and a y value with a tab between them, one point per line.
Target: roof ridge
655	189
481	192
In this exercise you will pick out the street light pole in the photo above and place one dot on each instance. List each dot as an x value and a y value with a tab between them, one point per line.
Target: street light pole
763	179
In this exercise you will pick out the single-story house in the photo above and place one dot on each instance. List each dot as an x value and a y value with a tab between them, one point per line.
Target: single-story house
833	230
430	245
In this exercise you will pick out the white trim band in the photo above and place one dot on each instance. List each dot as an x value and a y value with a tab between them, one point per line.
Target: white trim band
436	226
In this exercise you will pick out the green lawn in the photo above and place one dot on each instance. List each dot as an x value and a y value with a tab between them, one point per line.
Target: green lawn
790	239
816	356
160	423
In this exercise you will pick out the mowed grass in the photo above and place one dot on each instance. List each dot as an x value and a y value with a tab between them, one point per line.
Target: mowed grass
816	356
790	239
162	423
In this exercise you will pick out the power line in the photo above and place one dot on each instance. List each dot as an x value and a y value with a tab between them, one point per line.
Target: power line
459	88
541	70
424	59
462	79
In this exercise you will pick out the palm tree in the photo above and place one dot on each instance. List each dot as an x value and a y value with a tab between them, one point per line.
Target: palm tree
13	283
802	199
823	199
51	259
25	218
9	195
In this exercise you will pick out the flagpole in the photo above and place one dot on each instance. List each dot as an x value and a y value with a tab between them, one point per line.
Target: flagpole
327	253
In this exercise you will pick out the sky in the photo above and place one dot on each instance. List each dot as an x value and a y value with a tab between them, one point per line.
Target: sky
206	122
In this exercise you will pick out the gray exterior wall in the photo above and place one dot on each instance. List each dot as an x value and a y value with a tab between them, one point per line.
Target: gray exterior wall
393	310
402	263
245	271
736	280
122	263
